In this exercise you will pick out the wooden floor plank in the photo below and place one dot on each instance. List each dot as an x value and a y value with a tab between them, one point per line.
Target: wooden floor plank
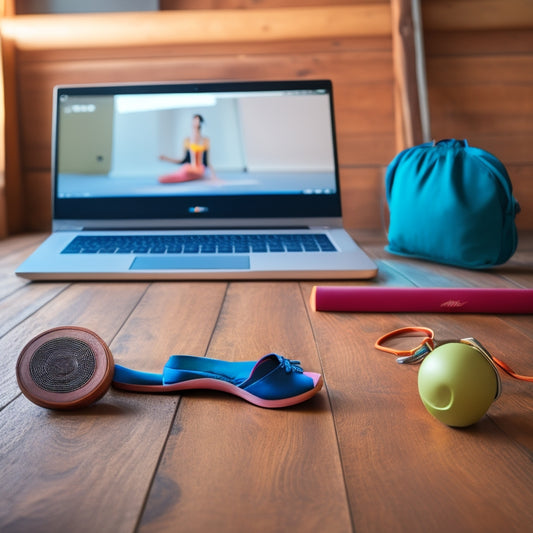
508	338
24	243
276	470
23	303
172	318
78	471
379	417
92	469
432	274
12	252
516	272
363	455
376	403
100	307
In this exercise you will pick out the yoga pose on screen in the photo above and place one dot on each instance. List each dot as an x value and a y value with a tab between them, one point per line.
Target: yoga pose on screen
194	165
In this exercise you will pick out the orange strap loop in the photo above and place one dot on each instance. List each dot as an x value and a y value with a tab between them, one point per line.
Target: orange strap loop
416	354
507	369
405	332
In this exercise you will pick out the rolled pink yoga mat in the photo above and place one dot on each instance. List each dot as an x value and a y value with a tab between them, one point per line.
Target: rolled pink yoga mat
422	299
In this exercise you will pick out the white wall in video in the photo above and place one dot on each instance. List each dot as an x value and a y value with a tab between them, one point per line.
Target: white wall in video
152	144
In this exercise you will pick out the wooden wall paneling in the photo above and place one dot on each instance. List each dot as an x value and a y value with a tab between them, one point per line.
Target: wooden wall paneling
443	14
181	27
521	177
497	41
13	191
479	78
3	212
494	97
362	84
252	4
37	208
3	204
479	57
363	111
360	67
7	8
481	88
410	92
363	199
457	15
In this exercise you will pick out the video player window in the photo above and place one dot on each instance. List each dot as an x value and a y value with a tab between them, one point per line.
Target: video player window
143	145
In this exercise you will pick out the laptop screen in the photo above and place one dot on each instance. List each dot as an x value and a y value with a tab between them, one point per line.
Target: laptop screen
192	151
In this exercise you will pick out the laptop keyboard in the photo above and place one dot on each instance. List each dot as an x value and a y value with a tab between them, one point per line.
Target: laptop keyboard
199	244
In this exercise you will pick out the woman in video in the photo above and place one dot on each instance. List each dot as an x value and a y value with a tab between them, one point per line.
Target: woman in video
194	165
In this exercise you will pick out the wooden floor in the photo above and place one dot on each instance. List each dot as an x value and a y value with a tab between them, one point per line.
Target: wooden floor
362	456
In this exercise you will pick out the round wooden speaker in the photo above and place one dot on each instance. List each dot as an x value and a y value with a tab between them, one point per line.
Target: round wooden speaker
65	368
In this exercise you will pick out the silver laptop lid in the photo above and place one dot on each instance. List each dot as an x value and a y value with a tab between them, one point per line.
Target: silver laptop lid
226	154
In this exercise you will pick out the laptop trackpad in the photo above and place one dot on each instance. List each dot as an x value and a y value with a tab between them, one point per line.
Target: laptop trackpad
190	262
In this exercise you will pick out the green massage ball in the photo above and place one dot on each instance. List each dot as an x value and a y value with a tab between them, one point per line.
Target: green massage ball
458	382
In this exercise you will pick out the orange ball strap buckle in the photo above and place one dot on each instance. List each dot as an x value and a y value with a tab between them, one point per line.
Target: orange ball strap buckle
413	355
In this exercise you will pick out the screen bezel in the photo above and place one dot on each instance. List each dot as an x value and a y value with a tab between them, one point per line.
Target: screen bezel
176	208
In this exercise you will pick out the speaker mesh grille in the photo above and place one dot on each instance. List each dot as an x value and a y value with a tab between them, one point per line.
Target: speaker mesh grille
62	365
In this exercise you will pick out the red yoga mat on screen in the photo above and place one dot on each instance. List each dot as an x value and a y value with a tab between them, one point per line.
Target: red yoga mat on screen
422	299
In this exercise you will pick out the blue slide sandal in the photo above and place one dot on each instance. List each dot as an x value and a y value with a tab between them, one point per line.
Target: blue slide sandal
271	382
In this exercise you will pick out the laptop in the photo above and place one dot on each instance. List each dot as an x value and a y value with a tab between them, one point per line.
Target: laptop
219	180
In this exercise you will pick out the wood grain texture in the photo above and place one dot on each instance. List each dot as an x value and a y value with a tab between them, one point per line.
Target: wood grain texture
100	308
12	252
478	59
479	84
379	418
3	211
273	466
406	33
363	455
350	44
362	95
186	27
252	4
78	468
362	88
478	15
152	322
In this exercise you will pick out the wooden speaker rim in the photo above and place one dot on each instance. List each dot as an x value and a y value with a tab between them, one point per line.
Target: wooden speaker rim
91	391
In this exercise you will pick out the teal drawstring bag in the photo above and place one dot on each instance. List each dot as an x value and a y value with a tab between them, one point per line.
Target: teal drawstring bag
451	203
